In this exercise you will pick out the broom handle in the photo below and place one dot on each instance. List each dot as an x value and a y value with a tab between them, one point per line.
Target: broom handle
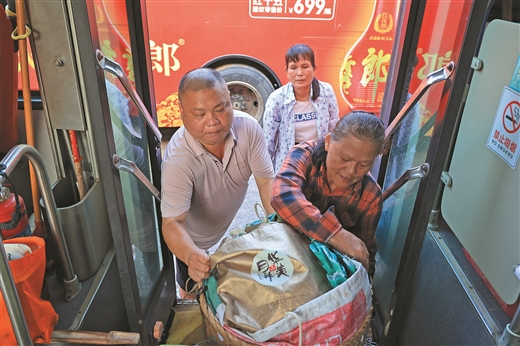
95	338
77	163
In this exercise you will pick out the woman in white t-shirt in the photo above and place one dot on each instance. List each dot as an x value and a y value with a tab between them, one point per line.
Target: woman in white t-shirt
304	109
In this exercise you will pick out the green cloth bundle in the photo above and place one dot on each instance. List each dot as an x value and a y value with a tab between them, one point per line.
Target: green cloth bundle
337	266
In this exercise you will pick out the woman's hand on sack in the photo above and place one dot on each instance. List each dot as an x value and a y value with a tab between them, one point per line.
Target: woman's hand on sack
348	244
198	265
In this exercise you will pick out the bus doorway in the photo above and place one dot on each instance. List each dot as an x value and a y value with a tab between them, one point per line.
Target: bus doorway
443	275
448	243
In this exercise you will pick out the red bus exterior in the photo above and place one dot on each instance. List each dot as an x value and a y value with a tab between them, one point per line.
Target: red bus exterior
247	40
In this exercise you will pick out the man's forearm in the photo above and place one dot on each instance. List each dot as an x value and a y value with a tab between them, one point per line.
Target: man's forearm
178	240
182	246
264	189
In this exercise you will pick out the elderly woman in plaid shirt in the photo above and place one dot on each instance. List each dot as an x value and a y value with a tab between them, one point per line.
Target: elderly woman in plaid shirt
324	189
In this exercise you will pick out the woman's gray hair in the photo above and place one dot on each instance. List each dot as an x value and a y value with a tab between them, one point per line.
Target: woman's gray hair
362	125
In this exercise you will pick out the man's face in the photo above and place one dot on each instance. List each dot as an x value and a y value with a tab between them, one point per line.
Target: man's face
348	160
207	114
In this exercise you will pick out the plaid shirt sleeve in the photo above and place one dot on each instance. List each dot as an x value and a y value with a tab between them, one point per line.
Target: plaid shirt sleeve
370	207
290	203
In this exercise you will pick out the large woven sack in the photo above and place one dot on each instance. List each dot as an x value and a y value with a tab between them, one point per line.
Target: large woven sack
330	319
264	274
340	317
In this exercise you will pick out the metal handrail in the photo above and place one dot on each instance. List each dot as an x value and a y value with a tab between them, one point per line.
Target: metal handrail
434	77
511	334
410	174
13	157
116	69
515	322
130	167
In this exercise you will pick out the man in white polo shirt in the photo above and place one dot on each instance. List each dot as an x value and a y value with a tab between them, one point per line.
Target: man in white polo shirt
205	172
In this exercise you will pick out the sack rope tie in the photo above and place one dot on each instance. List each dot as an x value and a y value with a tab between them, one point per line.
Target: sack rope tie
191	295
290	313
258	208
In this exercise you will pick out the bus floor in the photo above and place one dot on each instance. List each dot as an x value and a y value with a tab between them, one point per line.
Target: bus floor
187	327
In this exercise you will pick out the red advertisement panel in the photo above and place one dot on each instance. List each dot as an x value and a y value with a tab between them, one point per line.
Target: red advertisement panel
439	43
293	9
352	41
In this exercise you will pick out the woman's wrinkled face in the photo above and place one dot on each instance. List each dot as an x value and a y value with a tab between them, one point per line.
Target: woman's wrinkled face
348	160
300	73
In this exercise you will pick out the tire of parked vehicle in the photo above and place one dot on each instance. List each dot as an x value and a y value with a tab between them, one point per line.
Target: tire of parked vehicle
249	88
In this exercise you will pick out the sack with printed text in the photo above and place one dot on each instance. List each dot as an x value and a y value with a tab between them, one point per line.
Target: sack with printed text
267	287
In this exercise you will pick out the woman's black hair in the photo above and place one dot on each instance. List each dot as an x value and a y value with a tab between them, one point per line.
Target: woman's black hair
319	154
303	51
362	125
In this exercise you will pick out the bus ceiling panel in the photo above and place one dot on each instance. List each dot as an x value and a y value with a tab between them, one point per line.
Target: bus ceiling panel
481	205
54	61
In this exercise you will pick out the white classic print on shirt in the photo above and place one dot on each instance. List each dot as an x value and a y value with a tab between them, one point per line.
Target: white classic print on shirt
305	122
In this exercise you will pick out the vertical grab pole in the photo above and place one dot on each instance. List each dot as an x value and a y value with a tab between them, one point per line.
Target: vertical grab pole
23	32
511	334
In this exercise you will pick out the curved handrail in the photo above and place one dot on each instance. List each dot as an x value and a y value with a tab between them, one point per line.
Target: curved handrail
434	77
410	174
116	69
9	162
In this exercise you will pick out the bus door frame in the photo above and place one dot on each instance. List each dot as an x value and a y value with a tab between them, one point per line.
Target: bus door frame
158	310
441	146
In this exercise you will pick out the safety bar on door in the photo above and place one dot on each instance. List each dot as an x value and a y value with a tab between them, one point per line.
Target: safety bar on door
131	167
434	77
116	69
410	174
